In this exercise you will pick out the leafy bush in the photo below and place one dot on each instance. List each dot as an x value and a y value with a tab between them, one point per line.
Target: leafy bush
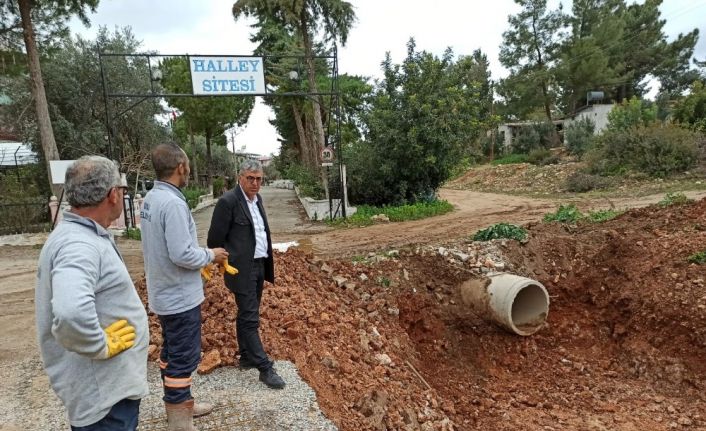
133	233
542	157
192	195
602	215
581	182
501	230
655	150
691	110
698	258
631	114
218	186
363	214
674	199
533	136
307	182
510	159
579	136
565	214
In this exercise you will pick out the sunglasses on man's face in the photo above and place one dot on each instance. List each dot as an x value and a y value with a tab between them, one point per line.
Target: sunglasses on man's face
123	188
252	179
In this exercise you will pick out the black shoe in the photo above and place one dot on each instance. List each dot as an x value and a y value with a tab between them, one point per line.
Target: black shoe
272	379
246	365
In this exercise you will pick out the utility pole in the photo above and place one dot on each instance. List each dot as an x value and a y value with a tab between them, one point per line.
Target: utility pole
494	126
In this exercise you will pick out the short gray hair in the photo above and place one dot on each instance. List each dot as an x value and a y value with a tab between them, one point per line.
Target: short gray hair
250	165
89	180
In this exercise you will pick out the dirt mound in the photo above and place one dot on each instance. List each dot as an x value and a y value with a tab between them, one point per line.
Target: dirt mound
387	344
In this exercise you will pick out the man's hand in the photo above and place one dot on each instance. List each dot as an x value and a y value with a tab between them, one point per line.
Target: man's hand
120	336
219	255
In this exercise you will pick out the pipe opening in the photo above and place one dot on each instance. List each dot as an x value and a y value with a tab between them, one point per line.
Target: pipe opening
530	308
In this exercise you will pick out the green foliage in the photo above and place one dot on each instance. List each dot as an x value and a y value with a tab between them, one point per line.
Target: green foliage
697	258
510	159
305	180
542	157
529	50
656	150
579	136
419	210
501	230
565	214
133	233
691	110
219	184
537	135
581	182
421	118
674	199
192	195
602	215
632	114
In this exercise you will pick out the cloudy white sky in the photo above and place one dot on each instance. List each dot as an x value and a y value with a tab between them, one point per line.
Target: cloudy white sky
207	27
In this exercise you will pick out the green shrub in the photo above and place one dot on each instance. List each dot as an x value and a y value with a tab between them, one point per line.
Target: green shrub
631	114
655	150
542	157
698	258
133	233
579	136
501	230
192	195
581	182
308	183
674	199
602	215
396	213
565	214
219	184
510	159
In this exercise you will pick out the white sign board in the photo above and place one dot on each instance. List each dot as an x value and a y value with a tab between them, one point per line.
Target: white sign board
218	76
58	170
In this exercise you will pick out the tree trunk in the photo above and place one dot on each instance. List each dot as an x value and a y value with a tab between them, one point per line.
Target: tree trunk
46	134
303	154
319	139
209	168
194	155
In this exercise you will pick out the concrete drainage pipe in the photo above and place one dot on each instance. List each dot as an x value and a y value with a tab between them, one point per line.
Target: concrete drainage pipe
518	304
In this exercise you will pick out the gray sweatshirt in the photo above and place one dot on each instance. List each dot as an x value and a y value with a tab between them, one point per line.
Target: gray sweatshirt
83	287
173	258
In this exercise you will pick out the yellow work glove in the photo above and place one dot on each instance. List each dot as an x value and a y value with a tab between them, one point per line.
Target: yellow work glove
120	336
223	267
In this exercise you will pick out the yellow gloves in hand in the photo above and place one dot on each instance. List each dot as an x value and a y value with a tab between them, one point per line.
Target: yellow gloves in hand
120	336
223	267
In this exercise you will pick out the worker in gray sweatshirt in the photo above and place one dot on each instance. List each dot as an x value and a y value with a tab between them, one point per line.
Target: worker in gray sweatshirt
91	325
173	260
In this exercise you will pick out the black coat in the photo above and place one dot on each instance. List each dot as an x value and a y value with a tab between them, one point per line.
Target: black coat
232	228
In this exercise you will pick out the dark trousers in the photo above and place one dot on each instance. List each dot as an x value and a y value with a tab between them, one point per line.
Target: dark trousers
181	353
247	323
121	417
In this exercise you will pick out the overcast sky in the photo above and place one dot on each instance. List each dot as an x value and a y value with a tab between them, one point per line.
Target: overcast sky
207	27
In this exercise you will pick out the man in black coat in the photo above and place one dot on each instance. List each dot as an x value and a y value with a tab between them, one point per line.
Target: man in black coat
239	224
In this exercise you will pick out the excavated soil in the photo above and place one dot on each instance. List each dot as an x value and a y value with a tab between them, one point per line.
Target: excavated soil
387	344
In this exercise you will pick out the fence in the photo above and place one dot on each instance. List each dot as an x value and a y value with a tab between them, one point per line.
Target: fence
26	216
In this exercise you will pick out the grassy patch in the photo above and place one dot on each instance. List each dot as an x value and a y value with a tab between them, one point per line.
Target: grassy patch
565	214
602	215
510	159
698	258
501	230
395	213
133	233
674	199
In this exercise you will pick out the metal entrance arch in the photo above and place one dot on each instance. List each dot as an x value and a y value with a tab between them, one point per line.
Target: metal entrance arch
271	68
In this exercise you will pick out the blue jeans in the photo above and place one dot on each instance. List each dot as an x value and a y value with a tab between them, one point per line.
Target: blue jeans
121	417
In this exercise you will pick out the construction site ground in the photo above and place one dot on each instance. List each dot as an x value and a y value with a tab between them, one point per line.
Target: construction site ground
372	320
